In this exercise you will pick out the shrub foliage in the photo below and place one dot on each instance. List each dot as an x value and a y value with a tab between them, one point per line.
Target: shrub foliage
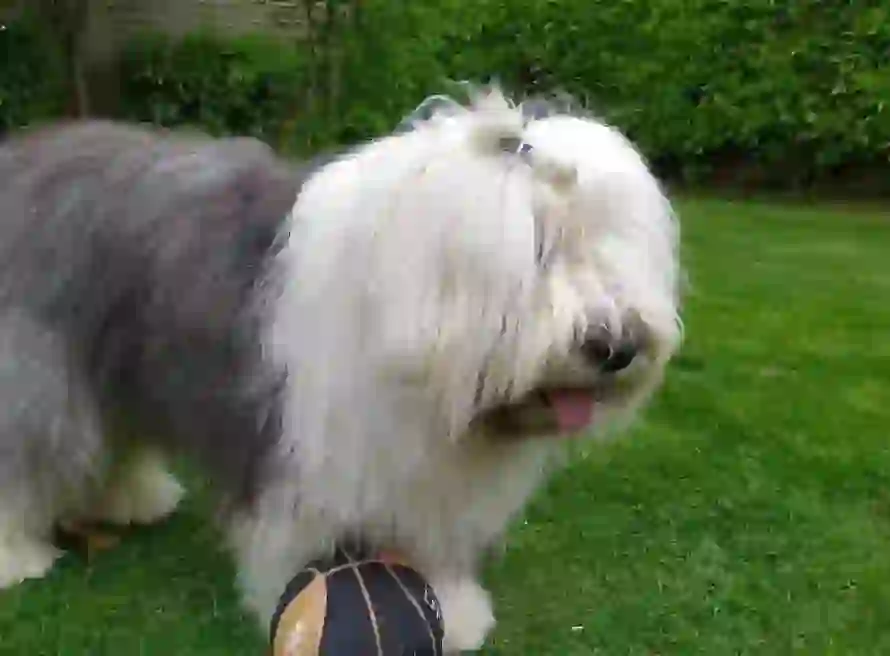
32	75
245	86
793	90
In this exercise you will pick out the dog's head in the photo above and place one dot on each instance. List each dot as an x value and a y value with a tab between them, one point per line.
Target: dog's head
515	270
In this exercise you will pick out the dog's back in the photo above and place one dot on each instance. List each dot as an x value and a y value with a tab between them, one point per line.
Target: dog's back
132	264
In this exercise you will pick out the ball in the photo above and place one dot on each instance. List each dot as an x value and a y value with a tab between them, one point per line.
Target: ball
351	603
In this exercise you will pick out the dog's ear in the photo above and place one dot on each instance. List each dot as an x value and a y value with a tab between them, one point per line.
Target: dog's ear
431	107
496	124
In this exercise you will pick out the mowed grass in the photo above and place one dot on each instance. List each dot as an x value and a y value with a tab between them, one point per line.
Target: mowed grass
748	513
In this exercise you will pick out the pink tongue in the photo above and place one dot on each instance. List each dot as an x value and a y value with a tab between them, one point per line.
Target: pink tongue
573	409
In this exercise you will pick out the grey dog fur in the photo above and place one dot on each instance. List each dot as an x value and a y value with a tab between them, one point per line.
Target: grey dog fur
134	272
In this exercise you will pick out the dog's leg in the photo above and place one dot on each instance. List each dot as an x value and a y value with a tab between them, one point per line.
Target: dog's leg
139	490
51	445
467	615
271	546
24	555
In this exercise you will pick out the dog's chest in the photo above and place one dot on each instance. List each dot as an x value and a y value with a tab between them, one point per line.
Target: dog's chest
457	505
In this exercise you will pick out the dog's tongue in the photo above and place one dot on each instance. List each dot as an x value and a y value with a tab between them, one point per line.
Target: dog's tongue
573	409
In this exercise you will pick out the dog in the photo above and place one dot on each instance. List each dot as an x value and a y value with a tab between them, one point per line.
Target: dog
383	345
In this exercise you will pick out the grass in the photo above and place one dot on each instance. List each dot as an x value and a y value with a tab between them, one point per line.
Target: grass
748	514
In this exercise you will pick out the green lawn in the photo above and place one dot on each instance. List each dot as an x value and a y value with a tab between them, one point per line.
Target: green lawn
748	514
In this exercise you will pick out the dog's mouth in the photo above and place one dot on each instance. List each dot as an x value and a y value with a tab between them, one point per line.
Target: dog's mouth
546	410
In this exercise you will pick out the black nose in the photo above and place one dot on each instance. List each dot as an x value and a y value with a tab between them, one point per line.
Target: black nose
609	356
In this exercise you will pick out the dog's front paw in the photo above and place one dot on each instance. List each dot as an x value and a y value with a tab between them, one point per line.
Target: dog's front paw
466	614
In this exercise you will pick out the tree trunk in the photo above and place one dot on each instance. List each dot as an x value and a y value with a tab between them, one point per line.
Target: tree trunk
68	20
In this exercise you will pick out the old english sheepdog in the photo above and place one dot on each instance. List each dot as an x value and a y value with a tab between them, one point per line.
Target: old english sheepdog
376	347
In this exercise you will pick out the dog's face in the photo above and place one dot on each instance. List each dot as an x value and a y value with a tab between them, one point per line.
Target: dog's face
602	321
519	276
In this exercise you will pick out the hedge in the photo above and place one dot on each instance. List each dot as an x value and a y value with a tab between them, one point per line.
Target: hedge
798	88
790	91
33	85
246	85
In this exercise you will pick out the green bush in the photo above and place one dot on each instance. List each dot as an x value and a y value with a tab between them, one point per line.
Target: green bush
795	89
782	93
32	75
246	85
786	92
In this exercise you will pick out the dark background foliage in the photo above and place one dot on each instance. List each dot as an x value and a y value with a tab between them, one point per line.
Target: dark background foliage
765	93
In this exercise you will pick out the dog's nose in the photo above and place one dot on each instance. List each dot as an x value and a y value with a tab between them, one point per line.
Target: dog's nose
607	354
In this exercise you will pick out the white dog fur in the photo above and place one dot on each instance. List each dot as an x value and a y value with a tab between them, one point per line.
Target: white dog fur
421	247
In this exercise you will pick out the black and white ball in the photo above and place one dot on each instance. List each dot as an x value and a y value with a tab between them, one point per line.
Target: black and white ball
352	602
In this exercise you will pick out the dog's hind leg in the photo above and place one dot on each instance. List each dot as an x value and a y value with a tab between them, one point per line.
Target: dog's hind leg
139	489
51	445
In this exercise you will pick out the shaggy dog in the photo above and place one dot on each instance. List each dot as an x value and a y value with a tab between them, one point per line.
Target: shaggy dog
377	347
